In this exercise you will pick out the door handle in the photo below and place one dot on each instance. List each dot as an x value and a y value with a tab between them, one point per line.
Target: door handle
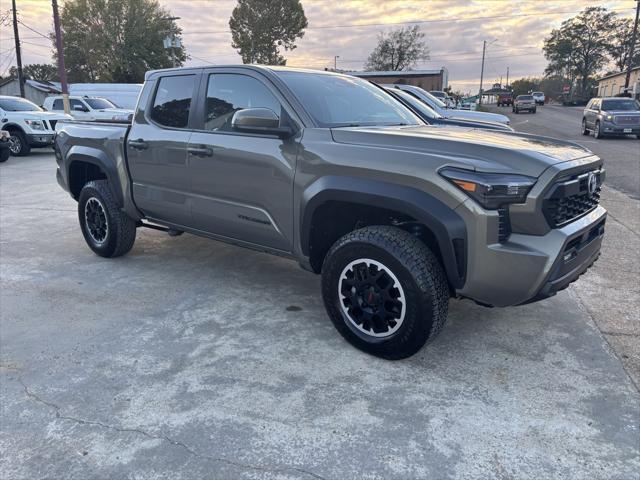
138	144
200	151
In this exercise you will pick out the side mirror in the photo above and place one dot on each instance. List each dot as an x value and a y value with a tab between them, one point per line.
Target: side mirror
259	120
80	108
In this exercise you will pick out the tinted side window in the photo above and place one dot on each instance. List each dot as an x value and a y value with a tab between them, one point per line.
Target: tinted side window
75	102
228	93
172	102
57	104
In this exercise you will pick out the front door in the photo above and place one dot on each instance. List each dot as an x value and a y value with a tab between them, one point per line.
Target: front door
157	150
242	183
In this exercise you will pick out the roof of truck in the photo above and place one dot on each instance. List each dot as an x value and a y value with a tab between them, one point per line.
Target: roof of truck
273	68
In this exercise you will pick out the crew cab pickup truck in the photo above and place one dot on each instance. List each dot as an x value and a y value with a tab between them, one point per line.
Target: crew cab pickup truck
327	169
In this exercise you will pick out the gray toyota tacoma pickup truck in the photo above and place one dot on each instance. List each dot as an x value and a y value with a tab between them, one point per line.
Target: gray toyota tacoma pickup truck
326	169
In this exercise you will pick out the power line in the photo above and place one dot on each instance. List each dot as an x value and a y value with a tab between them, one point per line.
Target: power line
33	30
412	22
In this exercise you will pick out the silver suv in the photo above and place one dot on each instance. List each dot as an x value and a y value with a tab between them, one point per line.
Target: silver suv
611	116
524	102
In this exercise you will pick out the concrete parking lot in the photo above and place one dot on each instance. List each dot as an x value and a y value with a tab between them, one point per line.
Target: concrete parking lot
189	358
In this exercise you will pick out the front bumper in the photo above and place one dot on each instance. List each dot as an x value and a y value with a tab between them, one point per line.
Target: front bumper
610	128
527	268
40	139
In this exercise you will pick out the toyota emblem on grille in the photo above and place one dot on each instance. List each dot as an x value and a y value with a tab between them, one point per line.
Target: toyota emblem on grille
592	183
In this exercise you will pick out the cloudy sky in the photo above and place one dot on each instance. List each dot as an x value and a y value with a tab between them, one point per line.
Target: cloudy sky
455	30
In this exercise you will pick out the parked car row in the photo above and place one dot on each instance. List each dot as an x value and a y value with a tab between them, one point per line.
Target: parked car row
30	126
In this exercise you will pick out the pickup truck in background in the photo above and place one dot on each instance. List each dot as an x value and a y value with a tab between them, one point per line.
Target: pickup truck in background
505	99
87	108
329	170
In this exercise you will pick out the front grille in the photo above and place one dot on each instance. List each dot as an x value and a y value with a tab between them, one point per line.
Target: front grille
504	224
570	198
627	119
53	124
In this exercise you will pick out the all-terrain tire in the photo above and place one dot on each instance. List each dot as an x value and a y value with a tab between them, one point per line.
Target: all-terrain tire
120	230
416	269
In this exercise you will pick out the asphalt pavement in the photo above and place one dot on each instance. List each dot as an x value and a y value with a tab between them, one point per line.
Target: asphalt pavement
189	358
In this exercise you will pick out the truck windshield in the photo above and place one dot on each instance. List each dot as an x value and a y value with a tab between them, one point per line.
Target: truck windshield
99	103
627	104
18	105
341	101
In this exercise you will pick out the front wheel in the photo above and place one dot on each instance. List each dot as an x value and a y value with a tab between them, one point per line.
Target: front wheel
108	231
384	291
597	133
18	144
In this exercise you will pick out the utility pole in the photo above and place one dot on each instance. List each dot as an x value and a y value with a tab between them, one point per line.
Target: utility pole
62	72
335	62
484	48
507	76
16	37
631	49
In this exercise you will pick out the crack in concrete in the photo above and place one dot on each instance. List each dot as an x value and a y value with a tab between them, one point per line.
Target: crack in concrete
191	451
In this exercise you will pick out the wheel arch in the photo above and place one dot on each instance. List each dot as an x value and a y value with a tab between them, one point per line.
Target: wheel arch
85	164
417	207
13	126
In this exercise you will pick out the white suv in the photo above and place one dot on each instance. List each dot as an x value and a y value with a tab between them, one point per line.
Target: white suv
88	108
538	97
28	125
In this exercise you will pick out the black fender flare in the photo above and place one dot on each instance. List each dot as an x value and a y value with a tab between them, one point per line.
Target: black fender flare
447	226
94	156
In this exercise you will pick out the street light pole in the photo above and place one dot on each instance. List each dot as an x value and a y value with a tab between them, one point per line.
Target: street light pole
16	37
632	48
335	62
62	73
484	48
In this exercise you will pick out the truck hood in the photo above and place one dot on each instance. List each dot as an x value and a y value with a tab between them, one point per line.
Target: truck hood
40	115
484	150
473	115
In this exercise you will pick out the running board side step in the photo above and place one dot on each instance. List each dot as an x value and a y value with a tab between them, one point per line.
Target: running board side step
171	231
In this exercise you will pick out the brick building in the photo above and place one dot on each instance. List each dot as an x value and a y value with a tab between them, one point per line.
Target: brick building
425	79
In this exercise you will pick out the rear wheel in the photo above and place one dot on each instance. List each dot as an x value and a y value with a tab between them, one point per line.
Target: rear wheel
585	130
108	231
533	111
384	291
18	144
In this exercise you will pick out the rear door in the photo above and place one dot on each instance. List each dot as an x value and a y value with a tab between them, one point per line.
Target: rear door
157	148
592	112
242	182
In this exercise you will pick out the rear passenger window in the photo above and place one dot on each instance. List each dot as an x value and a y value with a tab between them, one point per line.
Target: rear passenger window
228	93
172	101
57	104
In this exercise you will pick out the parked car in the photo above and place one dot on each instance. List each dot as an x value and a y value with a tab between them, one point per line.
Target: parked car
28	125
538	97
87	108
524	102
611	116
4	146
505	99
431	117
444	98
330	171
442	109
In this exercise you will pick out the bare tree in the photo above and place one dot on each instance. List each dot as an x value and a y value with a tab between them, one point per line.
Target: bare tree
400	49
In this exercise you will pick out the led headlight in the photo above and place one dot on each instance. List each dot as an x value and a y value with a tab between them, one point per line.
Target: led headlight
609	117
35	124
491	190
